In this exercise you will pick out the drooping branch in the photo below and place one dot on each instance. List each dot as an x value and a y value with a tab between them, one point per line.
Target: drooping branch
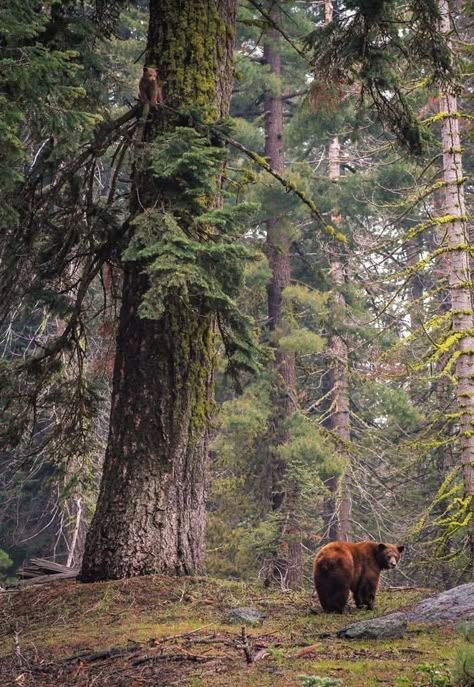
289	186
276	26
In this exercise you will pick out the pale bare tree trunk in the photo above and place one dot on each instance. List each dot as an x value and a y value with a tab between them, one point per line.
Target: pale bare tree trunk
328	11
441	267
458	246
339	419
77	516
285	494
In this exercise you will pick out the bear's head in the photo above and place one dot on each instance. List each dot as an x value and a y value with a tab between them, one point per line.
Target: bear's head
388	555
149	73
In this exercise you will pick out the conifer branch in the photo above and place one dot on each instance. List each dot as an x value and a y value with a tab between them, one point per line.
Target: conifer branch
289	186
263	164
268	18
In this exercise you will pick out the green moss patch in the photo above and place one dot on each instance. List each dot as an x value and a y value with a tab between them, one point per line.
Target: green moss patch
164	631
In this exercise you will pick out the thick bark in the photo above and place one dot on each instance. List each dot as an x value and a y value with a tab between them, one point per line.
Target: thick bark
151	509
460	279
150	514
284	495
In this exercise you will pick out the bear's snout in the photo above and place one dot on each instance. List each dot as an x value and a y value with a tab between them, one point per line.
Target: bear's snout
392	562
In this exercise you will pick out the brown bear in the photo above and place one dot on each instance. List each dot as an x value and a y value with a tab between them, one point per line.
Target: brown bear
340	567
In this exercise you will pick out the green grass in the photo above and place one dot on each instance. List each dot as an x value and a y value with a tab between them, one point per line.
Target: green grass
59	620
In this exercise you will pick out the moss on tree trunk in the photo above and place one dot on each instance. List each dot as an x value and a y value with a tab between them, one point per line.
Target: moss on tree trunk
150	515
460	281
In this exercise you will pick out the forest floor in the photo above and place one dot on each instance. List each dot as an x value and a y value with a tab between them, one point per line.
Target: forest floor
162	632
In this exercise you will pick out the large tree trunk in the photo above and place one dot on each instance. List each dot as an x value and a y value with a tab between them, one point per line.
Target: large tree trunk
288	567
150	514
460	279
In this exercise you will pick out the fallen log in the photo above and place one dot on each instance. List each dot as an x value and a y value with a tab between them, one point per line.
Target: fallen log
71	574
41	566
41	570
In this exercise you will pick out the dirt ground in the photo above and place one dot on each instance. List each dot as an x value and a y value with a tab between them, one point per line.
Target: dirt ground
163	632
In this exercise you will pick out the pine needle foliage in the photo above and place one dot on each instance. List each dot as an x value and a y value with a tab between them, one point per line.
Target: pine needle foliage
33	71
191	246
44	116
374	44
243	532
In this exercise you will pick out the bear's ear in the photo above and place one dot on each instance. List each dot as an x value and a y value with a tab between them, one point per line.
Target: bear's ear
381	547
400	548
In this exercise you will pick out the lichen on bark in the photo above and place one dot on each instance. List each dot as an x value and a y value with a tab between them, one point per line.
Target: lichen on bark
189	43
151	510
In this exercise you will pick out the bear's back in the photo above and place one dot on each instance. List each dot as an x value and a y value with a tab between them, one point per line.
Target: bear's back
346	557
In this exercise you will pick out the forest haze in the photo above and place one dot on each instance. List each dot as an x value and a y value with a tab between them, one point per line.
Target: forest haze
236	301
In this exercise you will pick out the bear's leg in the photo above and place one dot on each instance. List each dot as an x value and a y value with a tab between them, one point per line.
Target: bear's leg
359	598
371	597
364	595
339	599
333	593
367	595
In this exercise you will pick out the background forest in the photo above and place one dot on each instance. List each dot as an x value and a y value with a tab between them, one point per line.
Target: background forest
331	256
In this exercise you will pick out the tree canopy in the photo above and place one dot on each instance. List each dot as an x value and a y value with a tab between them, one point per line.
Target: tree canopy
253	300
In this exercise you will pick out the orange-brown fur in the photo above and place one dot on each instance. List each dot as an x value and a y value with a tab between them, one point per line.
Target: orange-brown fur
149	90
342	567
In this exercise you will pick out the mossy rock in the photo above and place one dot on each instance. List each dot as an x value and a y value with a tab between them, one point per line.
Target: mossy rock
376	628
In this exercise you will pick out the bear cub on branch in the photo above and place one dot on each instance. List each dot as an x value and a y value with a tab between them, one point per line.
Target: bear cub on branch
149	90
341	567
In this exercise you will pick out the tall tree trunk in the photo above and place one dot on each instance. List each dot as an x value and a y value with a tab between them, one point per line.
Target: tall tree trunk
328	11
339	419
150	513
460	279
284	492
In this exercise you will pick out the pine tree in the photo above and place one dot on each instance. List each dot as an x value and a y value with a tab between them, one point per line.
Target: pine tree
362	58
339	418
172	246
458	246
338	505
151	510
287	567
48	420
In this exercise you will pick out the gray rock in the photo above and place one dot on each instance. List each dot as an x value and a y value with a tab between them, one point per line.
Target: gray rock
246	615
377	628
453	605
